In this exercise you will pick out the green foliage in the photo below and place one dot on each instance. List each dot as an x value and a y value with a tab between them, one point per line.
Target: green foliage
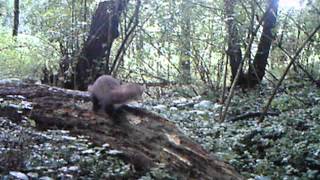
315	112
14	153
25	56
158	173
285	103
104	167
156	44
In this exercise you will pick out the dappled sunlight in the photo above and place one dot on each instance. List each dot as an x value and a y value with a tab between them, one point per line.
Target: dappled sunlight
291	4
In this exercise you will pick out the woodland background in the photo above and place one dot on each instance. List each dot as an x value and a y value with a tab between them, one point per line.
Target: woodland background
241	77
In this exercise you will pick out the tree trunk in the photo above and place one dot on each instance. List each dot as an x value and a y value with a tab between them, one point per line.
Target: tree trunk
16	12
234	48
256	74
144	139
185	40
103	31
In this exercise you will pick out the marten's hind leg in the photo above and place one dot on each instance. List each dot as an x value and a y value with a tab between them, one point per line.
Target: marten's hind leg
96	105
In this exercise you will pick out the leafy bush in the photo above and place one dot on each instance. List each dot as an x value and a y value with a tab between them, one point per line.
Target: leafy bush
25	56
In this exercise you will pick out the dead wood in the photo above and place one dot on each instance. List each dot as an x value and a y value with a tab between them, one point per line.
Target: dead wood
252	115
144	138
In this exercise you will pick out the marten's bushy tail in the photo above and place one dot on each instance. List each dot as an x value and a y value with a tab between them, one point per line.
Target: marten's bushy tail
125	93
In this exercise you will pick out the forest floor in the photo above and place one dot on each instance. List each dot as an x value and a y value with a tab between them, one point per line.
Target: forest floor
281	147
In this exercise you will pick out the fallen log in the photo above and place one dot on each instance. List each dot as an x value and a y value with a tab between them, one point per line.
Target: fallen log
145	139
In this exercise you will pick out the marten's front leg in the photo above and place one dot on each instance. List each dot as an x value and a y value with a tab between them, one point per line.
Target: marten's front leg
109	109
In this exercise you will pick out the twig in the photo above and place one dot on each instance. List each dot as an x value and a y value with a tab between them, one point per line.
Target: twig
252	115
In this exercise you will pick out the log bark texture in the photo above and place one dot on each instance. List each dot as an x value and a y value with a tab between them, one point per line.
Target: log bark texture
144	138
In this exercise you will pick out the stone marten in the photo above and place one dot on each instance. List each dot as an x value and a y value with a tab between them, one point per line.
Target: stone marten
107	93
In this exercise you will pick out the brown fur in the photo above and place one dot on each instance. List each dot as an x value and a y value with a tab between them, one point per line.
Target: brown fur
107	92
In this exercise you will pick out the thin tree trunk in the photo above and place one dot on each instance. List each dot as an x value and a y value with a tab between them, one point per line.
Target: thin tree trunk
234	50
16	18
127	39
85	14
185	64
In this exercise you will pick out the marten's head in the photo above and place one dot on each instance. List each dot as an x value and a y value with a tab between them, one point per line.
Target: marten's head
107	92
